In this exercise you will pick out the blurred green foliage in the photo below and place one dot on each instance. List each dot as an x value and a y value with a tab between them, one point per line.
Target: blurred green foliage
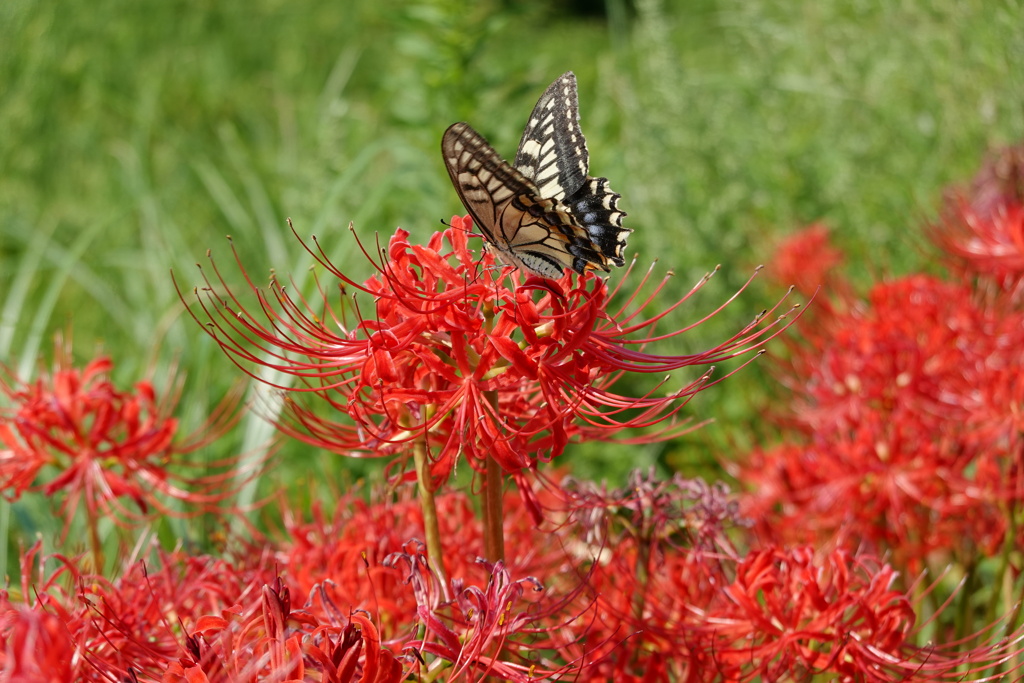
138	134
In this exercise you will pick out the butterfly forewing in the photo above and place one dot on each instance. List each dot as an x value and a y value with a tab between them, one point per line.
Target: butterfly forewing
484	181
553	151
529	231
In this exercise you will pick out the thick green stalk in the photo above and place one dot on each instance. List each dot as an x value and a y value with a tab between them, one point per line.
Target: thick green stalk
494	482
94	539
431	530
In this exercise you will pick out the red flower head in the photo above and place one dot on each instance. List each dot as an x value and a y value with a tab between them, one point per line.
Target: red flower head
808	261
905	444
34	646
987	245
483	632
791	613
264	638
459	362
982	227
103	443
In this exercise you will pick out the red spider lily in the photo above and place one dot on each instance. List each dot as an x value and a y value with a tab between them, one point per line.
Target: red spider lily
581	620
332	637
35	646
135	620
349	550
459	362
269	641
129	626
40	635
990	245
907	411
475	633
902	446
904	351
791	613
104	445
806	260
982	227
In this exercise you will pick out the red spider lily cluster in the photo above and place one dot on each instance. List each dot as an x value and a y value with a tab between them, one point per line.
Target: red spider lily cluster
458	361
908	402
656	593
74	433
905	422
673	599
902	448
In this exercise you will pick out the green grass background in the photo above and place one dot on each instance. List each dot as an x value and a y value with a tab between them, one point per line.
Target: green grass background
136	135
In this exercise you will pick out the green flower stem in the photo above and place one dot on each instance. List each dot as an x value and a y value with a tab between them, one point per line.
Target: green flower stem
94	539
431	530
494	481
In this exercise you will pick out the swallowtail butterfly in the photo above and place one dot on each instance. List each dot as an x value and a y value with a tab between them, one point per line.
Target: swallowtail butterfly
544	213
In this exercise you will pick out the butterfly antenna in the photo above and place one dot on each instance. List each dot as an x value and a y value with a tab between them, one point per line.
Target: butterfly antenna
468	232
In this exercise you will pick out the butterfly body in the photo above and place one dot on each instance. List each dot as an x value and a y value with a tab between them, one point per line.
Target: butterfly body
543	213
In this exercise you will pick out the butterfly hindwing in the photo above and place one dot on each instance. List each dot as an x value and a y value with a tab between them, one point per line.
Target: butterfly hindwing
545	213
596	209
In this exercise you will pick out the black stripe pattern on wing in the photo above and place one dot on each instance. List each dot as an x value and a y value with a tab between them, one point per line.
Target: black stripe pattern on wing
553	152
596	208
